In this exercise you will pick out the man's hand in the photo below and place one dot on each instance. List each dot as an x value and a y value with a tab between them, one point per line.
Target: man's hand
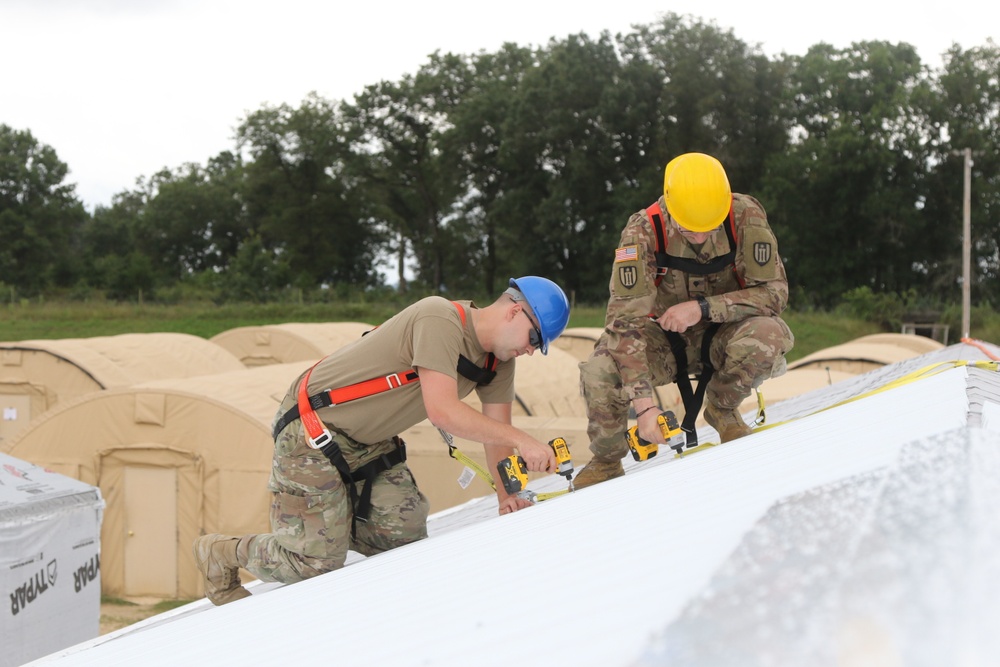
538	457
649	430
680	317
513	504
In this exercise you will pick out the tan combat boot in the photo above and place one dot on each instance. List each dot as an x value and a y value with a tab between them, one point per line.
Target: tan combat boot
729	423
216	557
596	472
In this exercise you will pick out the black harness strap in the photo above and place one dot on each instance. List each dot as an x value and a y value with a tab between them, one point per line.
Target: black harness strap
367	473
665	262
692	399
481	375
688	265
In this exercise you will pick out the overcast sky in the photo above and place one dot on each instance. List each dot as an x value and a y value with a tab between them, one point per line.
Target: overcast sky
123	88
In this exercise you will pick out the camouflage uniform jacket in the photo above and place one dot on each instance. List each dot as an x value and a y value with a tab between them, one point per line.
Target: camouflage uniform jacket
755	285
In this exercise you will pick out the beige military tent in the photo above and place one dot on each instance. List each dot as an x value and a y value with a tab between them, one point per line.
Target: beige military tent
545	386
840	362
868	353
36	375
578	341
291	341
173	458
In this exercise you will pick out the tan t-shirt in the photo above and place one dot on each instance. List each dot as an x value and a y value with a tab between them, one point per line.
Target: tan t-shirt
428	334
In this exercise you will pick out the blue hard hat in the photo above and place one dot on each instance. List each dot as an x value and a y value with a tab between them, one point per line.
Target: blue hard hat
549	304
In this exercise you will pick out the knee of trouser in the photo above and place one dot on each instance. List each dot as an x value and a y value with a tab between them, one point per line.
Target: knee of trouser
398	513
774	333
313	525
778	368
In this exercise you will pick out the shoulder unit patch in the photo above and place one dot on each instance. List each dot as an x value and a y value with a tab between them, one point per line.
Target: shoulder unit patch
759	253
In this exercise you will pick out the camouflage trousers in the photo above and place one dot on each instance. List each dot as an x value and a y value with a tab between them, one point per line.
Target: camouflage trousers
311	511
743	353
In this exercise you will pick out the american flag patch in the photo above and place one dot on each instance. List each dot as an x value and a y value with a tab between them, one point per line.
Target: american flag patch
627	253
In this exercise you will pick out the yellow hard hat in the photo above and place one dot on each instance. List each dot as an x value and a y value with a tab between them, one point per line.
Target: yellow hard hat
697	192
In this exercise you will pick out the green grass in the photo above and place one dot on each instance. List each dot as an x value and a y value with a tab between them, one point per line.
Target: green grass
27	320
167	605
813	331
107	599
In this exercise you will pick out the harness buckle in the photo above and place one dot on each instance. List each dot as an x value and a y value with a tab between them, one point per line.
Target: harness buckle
393	376
320	441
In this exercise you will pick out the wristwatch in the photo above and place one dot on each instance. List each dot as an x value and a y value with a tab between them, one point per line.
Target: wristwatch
705	312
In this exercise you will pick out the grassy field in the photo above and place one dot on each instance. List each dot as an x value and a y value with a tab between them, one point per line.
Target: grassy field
27	320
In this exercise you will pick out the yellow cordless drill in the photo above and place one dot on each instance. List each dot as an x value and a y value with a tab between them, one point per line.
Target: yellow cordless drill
643	449
514	473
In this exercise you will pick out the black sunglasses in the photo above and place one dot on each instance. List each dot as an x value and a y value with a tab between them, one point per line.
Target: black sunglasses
535	335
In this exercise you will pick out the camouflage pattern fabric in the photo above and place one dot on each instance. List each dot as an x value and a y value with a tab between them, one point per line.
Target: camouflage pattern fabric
311	511
633	354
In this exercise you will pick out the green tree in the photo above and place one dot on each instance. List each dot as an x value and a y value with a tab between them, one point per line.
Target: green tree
715	94
396	133
302	199
965	107
845	197
257	273
169	228
113	250
40	215
194	220
560	215
484	88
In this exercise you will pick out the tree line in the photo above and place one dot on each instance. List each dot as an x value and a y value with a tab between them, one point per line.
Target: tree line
529	160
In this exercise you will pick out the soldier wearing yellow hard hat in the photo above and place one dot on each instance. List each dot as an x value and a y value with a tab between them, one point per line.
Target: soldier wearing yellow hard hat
697	287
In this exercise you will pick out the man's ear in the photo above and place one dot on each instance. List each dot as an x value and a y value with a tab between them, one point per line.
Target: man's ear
512	310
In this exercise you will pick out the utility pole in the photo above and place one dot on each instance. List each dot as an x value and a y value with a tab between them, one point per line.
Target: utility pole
967	244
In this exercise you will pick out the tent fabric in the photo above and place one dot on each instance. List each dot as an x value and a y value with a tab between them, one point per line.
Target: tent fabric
118	361
545	386
288	342
209	439
867	353
918	344
578	341
36	375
